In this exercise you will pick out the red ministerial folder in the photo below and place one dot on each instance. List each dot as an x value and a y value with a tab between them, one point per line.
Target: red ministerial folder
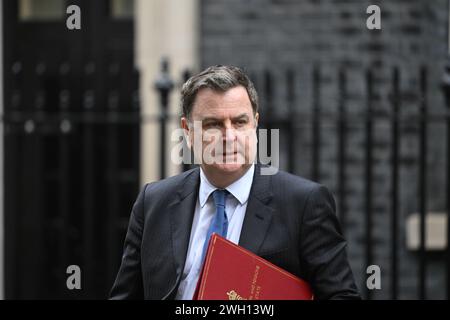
231	272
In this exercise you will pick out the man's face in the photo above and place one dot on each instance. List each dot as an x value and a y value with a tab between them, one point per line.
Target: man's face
226	126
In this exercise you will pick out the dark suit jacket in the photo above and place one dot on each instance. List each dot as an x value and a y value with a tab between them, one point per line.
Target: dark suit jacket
289	221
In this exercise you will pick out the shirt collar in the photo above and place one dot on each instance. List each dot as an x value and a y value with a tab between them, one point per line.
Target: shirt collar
240	189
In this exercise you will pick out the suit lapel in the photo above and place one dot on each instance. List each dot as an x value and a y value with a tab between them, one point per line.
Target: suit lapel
258	216
181	213
256	223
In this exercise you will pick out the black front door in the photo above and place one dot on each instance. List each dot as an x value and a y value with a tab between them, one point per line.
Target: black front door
71	134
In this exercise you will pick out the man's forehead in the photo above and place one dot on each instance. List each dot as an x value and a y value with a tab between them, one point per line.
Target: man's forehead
232	113
222	105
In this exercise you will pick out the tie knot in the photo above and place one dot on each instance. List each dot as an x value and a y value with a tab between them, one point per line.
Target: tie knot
219	196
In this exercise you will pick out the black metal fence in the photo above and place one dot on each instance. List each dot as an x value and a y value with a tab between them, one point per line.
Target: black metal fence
366	118
72	171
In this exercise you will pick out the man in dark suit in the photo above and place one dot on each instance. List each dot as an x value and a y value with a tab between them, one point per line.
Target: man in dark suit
283	218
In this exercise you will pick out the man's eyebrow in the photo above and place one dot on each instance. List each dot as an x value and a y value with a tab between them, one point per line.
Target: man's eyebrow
211	119
241	116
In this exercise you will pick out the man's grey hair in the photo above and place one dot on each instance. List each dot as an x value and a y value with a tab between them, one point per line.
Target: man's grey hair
218	78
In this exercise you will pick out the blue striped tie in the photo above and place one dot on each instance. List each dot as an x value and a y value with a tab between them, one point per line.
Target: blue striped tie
219	223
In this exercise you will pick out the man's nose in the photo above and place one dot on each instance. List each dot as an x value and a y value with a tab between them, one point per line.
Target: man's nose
229	133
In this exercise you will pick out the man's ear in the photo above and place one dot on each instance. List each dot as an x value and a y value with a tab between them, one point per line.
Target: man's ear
184	123
256	120
186	130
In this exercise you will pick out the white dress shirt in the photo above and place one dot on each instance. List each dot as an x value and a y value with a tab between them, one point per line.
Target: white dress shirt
235	207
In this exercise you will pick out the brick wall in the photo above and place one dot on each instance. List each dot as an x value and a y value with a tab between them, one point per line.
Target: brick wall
296	34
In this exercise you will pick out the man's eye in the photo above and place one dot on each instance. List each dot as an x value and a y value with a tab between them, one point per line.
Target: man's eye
212	125
241	122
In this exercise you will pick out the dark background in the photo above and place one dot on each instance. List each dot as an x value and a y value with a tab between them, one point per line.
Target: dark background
361	111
